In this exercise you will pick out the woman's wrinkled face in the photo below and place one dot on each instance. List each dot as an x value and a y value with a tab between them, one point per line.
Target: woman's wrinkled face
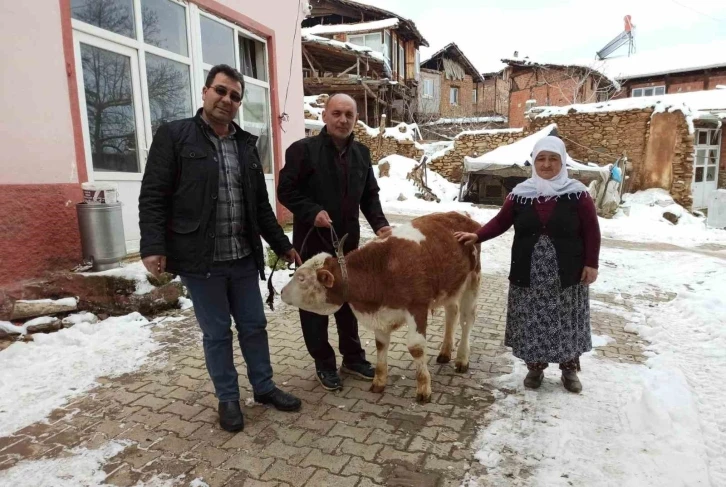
548	164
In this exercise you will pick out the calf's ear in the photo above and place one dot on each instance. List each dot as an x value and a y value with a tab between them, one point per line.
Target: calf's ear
325	278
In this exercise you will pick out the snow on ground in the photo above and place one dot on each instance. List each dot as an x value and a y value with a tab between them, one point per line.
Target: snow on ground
44	374
82	467
640	219
134	271
396	184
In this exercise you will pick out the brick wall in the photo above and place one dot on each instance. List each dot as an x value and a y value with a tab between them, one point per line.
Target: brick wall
465	108
471	144
602	137
550	87
494	96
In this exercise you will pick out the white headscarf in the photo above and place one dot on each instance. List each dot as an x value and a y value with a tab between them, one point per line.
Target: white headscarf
536	187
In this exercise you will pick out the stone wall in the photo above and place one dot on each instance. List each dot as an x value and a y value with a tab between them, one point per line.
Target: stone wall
605	136
450	163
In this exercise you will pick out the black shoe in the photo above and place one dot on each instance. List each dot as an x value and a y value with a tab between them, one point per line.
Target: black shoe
282	401
230	416
533	379
363	370
571	381
329	379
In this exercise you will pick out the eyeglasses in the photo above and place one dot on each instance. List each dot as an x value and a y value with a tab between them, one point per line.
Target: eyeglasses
222	91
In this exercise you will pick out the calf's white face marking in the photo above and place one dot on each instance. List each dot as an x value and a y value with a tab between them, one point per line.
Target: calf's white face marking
307	291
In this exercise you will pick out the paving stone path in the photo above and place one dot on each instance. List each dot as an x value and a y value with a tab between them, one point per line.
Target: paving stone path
167	412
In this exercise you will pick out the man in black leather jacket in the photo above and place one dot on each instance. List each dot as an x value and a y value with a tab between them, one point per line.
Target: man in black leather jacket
202	210
327	181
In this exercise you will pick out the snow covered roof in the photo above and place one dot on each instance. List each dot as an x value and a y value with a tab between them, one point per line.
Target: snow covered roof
376	25
465	120
695	105
343	46
407	26
594	67
518	154
677	59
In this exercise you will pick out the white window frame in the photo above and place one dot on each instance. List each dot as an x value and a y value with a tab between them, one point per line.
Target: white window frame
639	92
474	96
454	93
417	66
424	92
137	49
401	61
379	43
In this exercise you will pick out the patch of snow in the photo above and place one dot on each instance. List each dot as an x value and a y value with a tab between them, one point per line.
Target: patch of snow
65	302
41	320
44	374
465	120
489	131
434	149
185	303
351	28
640	219
518	153
396	183
601	340
77	318
401	132
198	483
134	271
632	425
83	467
8	327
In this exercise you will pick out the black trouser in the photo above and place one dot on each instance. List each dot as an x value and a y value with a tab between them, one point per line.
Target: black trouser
315	332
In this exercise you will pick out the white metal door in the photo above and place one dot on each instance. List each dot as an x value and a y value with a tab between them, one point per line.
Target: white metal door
705	166
113	121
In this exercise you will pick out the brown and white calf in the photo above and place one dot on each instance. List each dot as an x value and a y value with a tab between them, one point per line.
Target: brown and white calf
397	281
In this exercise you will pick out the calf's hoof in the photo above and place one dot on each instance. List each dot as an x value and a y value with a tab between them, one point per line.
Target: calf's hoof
461	367
423	398
443	359
377	388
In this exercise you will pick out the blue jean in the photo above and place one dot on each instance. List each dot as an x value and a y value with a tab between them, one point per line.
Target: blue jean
232	287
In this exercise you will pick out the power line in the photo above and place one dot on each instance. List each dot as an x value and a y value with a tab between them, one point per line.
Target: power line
284	117
698	11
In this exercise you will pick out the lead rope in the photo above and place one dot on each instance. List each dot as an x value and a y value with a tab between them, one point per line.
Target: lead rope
338	249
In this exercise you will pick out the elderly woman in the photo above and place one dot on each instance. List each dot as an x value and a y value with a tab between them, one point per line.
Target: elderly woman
554	259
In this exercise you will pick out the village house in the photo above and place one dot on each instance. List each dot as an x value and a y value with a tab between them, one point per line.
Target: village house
104	74
367	52
545	84
680	69
454	96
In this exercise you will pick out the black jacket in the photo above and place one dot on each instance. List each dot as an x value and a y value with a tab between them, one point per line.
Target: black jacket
311	181
563	228
178	200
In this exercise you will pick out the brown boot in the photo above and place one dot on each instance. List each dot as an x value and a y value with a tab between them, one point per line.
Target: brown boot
533	379
571	381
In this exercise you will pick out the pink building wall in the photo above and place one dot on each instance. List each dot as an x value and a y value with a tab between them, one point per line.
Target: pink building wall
43	162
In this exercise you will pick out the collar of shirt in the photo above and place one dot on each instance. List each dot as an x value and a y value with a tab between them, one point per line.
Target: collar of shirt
208	127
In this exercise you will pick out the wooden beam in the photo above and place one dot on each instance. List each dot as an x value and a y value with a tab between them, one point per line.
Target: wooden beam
315	71
347	70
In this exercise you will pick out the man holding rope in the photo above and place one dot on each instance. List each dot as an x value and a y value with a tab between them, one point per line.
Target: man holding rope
327	180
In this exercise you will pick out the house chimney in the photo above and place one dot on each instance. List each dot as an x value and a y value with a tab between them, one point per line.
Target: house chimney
516	54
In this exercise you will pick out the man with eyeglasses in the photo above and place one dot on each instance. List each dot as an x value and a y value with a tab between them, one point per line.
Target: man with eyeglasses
202	210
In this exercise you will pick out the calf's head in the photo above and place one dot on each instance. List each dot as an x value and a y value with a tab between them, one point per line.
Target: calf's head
309	286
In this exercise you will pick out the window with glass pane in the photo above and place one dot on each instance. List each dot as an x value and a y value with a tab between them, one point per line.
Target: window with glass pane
700	157
110	109
165	25
252	58
454	96
217	42
699	175
387	44
170	91
660	90
716	137
703	137
711	173
368	40
113	15
473	95
401	62
428	88
257	121
637	92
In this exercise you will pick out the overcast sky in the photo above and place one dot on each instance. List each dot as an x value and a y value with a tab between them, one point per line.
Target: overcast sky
557	30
